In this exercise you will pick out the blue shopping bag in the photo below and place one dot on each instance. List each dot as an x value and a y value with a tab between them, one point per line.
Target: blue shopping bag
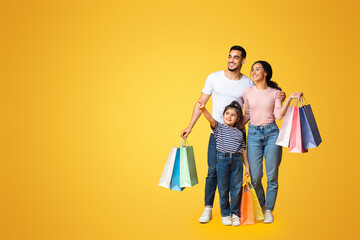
310	133
175	180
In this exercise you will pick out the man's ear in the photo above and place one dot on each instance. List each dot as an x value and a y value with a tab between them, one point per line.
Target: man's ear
243	61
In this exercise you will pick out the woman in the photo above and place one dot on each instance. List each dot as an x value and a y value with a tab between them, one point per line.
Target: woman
262	106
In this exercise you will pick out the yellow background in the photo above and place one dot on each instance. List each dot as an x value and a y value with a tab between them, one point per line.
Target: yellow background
95	93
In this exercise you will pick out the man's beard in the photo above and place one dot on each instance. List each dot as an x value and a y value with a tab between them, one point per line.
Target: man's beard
232	70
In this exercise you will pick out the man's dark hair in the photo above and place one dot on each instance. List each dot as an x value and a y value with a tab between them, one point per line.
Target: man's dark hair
241	49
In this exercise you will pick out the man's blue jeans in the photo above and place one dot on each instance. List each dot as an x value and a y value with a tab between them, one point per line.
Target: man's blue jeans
229	169
261	143
211	179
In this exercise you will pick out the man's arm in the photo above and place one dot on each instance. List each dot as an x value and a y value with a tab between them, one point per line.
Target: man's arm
195	115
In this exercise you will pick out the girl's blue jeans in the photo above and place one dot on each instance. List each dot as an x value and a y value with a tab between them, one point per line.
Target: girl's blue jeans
261	143
229	169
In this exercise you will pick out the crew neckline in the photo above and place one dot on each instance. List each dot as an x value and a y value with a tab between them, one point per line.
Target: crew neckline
231	79
262	90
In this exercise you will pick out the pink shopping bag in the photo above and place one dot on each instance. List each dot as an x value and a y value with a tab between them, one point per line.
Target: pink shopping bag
296	145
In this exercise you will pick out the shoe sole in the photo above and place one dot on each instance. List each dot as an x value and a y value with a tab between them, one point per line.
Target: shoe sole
205	221
268	221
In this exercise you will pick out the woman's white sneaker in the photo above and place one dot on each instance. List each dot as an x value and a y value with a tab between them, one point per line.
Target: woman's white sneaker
269	218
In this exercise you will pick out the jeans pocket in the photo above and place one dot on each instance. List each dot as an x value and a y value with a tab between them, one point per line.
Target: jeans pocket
274	128
220	158
252	131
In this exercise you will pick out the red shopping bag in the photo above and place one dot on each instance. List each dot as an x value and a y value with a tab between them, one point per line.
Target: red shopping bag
247	215
296	145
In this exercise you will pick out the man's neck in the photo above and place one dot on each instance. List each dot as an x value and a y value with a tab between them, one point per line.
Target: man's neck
233	75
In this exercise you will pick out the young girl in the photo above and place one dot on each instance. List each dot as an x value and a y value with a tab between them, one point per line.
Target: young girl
231	154
262	106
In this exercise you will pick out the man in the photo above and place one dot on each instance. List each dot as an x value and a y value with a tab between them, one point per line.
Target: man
225	86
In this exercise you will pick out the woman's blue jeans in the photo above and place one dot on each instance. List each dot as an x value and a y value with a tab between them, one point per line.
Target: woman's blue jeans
229	169
261	143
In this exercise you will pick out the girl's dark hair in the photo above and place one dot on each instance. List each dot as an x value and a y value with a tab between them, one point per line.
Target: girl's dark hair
268	70
235	105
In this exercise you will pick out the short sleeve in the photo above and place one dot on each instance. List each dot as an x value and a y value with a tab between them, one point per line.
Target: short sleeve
209	88
242	144
215	129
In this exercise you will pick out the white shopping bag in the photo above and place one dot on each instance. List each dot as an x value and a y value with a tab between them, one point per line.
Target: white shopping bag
166	176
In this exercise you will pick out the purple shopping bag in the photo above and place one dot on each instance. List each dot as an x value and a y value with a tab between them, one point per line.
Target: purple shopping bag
309	128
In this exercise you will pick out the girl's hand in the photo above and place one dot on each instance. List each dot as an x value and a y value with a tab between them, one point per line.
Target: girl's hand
296	94
200	106
247	172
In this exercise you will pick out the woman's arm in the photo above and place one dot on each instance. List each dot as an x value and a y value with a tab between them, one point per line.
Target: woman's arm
246	117
246	162
280	113
245	120
206	114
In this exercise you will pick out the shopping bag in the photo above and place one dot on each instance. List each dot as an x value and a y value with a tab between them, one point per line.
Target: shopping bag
167	173
296	145
188	174
246	209
309	129
285	130
175	180
258	214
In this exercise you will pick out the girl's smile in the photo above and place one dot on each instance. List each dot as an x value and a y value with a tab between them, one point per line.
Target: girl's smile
230	117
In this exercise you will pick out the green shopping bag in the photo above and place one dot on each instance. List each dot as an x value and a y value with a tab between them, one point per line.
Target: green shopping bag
188	174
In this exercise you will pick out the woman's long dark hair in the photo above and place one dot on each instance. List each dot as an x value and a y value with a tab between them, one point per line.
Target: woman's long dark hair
269	71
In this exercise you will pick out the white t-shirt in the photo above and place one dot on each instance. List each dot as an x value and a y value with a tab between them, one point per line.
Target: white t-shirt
224	91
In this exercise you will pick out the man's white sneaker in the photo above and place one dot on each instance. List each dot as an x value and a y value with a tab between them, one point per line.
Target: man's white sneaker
227	221
206	216
236	220
269	218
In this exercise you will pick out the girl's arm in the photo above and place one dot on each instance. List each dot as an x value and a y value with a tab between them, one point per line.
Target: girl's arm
281	113
246	162
206	114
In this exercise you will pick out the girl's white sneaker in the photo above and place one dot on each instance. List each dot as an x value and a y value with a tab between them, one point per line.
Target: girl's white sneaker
226	221
236	220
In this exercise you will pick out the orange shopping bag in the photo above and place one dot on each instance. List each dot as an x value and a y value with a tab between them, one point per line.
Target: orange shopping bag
246	208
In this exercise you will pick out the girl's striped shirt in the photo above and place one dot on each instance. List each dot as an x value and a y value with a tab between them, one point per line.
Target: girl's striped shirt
228	139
